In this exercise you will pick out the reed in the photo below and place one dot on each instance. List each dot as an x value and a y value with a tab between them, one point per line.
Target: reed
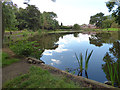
116	72
87	58
112	75
80	62
113	72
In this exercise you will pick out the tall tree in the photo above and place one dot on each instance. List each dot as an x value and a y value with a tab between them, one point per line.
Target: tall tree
21	17
9	18
33	17
107	23
97	19
116	12
49	20
9	21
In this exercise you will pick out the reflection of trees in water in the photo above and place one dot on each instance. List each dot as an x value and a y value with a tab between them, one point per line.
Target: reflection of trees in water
113	57
46	41
115	50
76	34
103	37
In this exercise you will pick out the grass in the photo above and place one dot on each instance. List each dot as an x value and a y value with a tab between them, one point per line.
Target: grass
108	29
39	78
6	60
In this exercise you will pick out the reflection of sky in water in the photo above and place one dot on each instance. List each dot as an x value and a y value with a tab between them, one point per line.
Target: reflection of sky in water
64	56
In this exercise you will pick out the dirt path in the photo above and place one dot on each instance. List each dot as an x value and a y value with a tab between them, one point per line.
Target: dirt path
15	69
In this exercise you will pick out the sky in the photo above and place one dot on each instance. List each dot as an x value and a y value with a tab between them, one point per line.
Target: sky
70	12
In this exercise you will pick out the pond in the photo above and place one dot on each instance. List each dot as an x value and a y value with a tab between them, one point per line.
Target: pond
59	51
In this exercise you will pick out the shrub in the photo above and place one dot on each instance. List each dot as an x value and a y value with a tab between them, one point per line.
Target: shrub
76	27
26	48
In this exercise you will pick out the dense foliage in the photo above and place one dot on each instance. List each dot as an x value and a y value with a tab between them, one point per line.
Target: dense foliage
115	12
76	27
97	19
29	18
113	20
102	21
26	48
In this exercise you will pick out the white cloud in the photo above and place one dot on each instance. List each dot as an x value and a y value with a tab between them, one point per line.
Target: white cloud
55	61
60	49
52	64
48	53
69	39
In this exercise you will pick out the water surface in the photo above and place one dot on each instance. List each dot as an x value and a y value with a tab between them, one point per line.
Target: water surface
59	51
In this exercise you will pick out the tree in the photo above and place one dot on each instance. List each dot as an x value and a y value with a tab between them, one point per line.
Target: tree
76	27
61	24
107	23
21	17
115	13
9	21
33	17
49	20
97	19
9	18
114	25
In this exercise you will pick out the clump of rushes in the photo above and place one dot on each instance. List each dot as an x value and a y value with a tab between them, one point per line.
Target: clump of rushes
114	73
80	62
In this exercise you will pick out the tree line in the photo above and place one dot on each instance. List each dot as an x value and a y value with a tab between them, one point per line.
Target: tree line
30	18
109	21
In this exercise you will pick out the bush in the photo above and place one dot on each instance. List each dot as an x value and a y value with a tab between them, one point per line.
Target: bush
26	48
76	27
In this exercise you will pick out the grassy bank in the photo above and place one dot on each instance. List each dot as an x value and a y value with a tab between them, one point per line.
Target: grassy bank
7	60
39	78
108	29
